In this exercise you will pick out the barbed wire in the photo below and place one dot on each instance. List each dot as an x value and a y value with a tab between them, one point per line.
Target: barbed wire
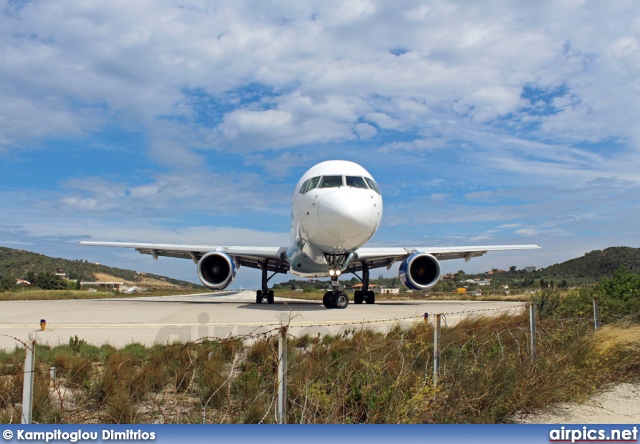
513	331
405	318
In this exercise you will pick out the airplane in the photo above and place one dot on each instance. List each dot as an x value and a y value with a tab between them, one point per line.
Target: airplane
335	210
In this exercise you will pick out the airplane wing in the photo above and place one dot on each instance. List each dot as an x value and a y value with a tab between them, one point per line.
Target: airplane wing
252	257
386	256
244	256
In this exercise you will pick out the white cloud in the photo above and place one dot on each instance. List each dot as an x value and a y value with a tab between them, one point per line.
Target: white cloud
440	89
119	61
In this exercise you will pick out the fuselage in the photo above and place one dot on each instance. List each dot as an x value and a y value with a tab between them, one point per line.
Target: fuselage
336	208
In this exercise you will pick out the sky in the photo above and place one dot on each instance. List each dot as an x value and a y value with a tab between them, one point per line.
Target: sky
484	123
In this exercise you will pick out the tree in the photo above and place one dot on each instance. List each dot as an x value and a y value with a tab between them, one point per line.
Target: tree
46	281
7	283
512	268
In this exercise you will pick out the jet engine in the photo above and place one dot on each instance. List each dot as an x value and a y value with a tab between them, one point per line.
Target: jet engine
420	271
216	270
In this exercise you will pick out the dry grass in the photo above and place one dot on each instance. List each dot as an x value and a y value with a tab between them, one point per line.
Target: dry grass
36	294
359	376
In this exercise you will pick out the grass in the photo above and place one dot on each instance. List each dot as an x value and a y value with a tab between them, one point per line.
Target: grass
37	294
359	376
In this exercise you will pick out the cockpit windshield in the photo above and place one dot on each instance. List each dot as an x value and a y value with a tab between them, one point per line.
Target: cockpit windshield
372	185
356	182
331	182
313	183
309	185
338	181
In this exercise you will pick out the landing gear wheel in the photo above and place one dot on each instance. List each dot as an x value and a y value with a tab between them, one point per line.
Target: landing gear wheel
340	299
370	297
270	297
327	300
358	297
259	297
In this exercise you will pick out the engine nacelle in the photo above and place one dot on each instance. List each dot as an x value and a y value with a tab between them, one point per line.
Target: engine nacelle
420	271
216	270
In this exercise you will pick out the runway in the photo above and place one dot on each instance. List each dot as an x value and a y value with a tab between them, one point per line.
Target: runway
166	319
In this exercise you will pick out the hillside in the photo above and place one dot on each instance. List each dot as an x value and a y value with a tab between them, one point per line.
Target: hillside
598	263
585	270
17	263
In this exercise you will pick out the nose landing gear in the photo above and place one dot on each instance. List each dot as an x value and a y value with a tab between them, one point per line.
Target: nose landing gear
336	298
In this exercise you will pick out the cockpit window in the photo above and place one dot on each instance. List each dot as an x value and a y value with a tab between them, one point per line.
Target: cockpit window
309	185
356	182
372	185
331	181
312	184
303	188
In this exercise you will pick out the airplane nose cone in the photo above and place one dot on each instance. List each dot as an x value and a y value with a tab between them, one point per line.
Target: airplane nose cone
346	214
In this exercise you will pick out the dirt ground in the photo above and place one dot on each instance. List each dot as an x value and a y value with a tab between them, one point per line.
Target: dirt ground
618	405
143	282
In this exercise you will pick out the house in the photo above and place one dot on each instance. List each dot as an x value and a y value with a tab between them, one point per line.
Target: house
103	285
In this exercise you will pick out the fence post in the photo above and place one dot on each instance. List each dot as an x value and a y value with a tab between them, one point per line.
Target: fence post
282	376
52	376
532	328
436	349
596	314
27	387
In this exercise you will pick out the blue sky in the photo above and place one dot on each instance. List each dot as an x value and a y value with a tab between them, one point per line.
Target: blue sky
490	122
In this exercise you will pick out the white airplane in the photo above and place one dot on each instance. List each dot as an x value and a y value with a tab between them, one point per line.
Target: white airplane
336	208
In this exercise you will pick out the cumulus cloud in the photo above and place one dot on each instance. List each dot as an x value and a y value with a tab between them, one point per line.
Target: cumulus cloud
514	112
79	64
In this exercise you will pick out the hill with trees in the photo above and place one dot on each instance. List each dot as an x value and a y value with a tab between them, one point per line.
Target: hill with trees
21	263
586	270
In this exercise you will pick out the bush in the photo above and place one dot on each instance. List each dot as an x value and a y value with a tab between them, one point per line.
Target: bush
46	281
618	296
7	283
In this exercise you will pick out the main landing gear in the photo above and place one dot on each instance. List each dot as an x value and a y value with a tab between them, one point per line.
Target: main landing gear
364	295
265	293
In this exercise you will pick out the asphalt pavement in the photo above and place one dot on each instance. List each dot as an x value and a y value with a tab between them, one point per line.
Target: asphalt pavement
166	319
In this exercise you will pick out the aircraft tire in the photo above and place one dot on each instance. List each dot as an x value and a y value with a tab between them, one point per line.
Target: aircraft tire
370	298
259	297
327	300
358	297
270	297
340	300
